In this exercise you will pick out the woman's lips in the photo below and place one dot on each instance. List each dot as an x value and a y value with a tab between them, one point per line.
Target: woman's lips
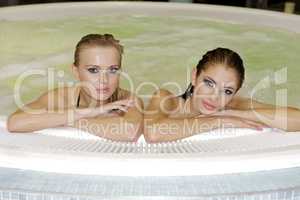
208	106
102	90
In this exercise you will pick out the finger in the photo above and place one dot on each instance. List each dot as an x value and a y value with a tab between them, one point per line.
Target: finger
221	113
199	116
122	108
114	109
206	116
120	112
116	113
240	124
111	114
128	103
255	125
247	125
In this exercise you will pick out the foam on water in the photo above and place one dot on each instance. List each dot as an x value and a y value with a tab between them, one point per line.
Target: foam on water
155	47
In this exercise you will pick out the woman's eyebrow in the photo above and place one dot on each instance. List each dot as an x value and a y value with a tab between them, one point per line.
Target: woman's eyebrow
92	66
212	80
229	88
115	66
100	66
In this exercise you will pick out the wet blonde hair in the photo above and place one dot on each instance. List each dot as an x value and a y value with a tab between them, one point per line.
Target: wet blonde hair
97	40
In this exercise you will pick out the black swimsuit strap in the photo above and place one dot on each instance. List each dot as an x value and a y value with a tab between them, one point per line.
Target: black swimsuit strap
188	93
183	96
78	100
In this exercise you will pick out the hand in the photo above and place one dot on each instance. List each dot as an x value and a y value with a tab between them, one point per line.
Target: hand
116	108
237	122
112	114
236	113
246	115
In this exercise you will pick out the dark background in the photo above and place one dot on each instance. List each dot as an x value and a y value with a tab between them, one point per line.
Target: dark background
276	5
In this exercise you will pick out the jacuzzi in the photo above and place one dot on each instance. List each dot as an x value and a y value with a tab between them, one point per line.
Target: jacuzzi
65	163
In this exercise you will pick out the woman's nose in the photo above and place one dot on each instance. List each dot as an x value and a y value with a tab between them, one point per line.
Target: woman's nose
215	95
104	77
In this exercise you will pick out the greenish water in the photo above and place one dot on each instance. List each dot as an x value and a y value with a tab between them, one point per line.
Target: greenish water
157	50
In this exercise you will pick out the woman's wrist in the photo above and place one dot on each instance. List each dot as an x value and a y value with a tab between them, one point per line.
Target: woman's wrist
85	113
238	113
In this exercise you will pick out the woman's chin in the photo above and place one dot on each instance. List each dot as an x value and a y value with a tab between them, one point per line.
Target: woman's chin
102	98
208	112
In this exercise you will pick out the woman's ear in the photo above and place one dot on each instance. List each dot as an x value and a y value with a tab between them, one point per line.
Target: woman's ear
194	76
75	72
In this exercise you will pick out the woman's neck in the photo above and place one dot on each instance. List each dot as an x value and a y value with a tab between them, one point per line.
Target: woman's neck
86	100
188	108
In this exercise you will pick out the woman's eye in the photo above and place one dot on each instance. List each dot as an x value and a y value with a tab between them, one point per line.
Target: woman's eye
113	70
93	70
208	83
228	92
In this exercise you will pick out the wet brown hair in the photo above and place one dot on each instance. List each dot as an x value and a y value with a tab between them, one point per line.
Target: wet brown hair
216	56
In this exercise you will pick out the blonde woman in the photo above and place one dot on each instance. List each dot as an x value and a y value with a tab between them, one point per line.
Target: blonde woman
96	104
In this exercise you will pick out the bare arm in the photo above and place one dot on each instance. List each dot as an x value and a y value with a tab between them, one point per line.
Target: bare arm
242	103
285	118
39	114
159	127
127	127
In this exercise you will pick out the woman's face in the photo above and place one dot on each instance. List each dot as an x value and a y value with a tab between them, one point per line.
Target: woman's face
214	88
98	71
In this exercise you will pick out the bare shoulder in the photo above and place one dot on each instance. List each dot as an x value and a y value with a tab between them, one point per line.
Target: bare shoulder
163	99
56	98
236	102
163	94
239	102
124	94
